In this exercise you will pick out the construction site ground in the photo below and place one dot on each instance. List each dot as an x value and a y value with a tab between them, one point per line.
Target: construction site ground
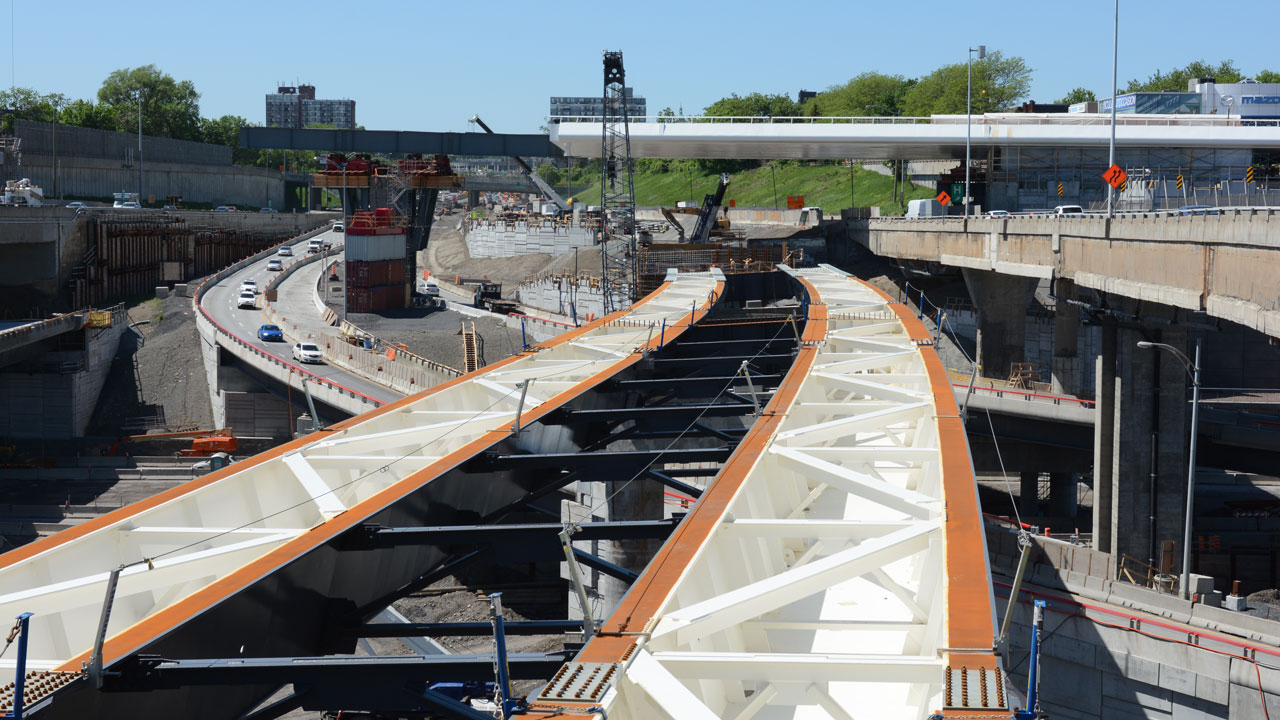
429	332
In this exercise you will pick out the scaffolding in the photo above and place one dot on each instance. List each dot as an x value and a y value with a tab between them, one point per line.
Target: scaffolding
617	192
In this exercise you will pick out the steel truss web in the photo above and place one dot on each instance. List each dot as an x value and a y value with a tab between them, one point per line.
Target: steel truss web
821	588
617	191
183	544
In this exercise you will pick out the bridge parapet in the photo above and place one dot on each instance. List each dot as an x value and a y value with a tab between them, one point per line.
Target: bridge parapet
1219	264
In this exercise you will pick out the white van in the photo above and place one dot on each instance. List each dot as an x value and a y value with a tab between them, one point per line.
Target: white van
314	246
925	208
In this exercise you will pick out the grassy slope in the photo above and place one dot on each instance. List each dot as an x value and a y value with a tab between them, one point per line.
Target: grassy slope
826	186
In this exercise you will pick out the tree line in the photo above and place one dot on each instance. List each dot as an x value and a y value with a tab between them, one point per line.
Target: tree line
1000	83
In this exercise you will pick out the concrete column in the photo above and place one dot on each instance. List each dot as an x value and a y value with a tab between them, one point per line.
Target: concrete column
1104	439
1062	497
1150	444
1029	496
1065	369
1002	302
641	500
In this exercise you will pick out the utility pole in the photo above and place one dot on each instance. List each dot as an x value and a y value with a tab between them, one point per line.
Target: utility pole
968	120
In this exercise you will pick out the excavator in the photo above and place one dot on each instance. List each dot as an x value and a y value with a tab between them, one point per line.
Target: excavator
708	225
204	443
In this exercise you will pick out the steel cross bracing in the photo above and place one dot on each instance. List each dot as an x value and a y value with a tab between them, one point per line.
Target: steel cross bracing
835	567
265	511
617	191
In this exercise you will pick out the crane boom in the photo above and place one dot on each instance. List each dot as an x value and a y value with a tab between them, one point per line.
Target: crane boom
542	185
710	208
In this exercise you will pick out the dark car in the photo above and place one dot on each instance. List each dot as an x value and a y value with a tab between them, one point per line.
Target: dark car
270	333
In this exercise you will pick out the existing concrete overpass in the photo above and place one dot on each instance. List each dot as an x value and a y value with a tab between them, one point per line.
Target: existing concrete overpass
906	138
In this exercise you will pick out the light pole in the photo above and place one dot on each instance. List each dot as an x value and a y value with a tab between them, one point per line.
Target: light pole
140	196
1228	100
1111	152
968	120
774	175
1193	369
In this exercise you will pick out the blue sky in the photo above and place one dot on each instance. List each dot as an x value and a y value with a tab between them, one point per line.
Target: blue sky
431	65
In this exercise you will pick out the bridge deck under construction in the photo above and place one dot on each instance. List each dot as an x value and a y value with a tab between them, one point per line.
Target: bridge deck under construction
834	565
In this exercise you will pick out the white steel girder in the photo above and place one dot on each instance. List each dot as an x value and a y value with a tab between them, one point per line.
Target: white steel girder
214	528
819	589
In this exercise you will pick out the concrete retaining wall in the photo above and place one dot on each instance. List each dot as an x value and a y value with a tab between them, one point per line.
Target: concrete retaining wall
99	178
1105	657
497	239
563	296
59	404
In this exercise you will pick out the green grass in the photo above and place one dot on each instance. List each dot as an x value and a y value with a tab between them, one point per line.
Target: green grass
826	186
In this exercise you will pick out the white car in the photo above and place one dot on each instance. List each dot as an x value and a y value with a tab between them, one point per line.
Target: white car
339	227
998	213
247	300
249	285
285	251
307	353
1068	210
274	264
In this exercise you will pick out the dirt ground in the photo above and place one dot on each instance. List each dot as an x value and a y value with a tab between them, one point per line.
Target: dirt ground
158	372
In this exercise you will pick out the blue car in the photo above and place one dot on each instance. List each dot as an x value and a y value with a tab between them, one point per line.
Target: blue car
270	333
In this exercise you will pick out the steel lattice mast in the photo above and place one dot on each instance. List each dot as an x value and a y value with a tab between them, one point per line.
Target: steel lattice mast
617	191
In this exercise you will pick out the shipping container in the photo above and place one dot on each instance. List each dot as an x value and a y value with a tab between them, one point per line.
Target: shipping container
375	247
376	299
375	274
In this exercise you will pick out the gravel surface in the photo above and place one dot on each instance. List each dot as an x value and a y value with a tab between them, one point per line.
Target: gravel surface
158	372
437	335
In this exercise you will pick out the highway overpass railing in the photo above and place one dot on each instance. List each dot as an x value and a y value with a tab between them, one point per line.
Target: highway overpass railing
989	118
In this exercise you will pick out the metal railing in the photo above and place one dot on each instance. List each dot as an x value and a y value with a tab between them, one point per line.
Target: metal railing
1056	119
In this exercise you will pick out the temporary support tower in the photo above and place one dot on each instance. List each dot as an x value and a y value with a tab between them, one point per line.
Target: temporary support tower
617	192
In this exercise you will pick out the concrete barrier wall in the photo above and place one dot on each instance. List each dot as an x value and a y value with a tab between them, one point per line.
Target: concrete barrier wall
400	373
1220	264
1105	657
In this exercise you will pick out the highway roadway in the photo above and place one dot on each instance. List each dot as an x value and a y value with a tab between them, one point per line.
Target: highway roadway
220	301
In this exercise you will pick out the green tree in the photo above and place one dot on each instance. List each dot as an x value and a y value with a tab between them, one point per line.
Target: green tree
28	104
1078	95
999	83
870	93
85	113
1267	76
169	108
226	131
753	105
1176	79
550	173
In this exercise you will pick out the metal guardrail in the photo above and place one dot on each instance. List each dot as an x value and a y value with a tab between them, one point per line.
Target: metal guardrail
1204	214
204	315
1029	396
1056	119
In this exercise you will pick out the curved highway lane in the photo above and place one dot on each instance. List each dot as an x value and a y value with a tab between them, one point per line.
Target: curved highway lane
220	301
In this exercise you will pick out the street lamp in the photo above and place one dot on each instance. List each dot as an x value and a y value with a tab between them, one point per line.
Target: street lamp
1111	148
140	147
968	120
1228	100
1193	369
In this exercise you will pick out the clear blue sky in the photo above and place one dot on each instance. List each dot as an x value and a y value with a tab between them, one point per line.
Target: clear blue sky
431	65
